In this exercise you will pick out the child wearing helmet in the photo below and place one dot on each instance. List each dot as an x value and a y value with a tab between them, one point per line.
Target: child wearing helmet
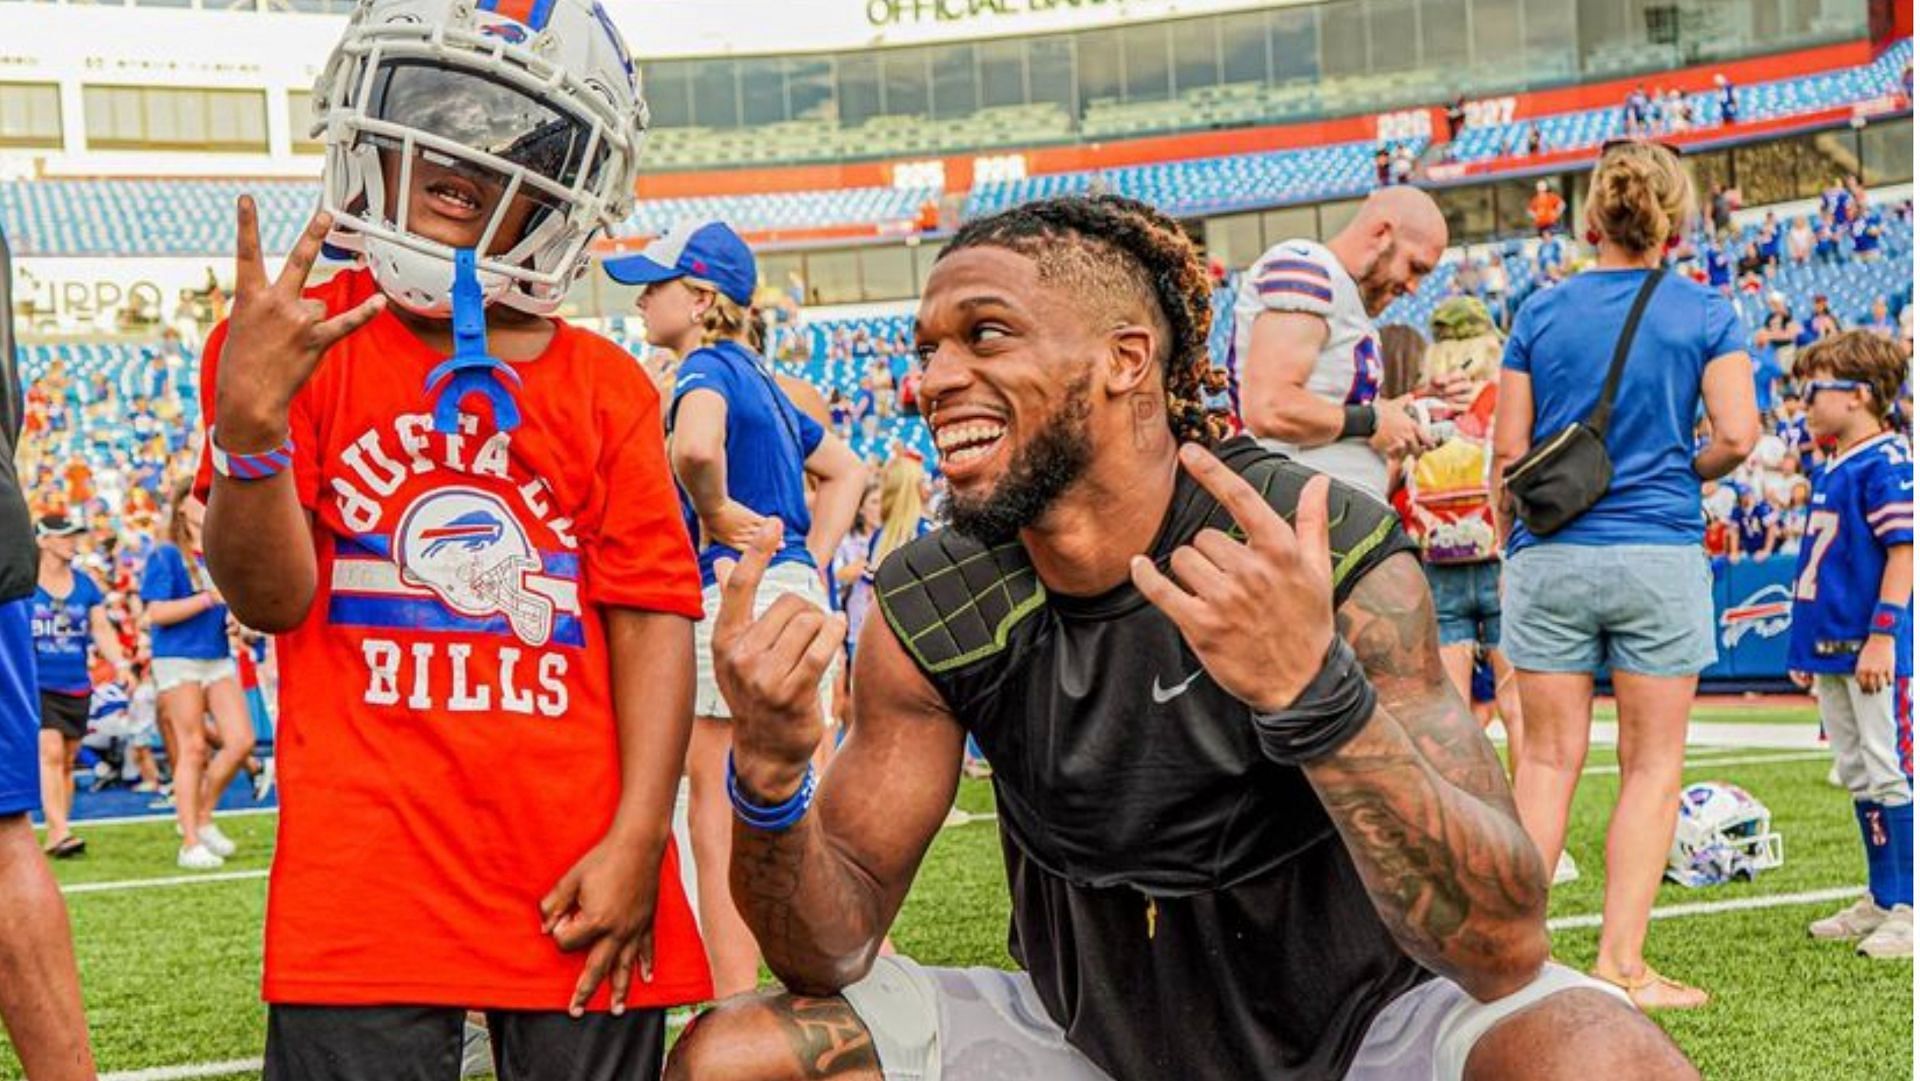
456	512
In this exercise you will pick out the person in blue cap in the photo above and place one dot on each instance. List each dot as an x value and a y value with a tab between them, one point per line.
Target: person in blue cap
742	453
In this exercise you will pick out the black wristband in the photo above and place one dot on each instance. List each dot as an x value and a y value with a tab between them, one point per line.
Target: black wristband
1332	710
1361	422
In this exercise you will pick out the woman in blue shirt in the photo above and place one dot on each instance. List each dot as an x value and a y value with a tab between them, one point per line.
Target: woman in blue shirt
1625	586
742	453
194	672
69	621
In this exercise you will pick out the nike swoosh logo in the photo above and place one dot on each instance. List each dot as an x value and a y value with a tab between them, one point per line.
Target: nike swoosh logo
1163	695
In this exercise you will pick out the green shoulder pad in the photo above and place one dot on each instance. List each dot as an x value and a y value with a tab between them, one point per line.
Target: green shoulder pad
1361	531
952	601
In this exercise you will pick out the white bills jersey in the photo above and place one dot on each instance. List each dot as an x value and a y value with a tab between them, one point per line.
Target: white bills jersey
1302	276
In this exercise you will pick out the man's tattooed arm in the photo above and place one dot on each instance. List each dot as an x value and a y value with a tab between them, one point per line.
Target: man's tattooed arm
820	896
1424	808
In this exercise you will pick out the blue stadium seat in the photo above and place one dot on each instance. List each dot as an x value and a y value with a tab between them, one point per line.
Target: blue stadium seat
1761	101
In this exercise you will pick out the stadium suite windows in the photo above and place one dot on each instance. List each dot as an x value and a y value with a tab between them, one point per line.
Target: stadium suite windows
1392	52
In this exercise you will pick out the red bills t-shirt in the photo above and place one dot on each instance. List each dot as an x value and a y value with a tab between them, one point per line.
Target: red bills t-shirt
447	741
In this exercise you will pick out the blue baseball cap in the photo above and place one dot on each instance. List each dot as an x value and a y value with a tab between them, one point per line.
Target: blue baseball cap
707	250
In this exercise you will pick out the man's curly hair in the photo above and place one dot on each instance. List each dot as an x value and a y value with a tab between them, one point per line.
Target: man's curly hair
1109	249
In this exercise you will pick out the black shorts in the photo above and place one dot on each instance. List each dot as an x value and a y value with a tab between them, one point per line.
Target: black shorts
423	1043
65	713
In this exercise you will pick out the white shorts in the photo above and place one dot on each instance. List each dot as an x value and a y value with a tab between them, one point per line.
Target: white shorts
928	1023
780	579
171	672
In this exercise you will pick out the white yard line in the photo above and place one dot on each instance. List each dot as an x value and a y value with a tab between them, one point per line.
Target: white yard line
198	1069
1708	908
160	883
1751	736
81	825
1735	760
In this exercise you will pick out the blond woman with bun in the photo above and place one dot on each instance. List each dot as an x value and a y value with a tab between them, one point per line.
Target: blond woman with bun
1625	587
743	453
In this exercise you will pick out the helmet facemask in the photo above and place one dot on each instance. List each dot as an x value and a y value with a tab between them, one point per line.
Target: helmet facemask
488	146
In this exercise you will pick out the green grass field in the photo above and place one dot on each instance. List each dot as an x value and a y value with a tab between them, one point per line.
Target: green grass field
171	972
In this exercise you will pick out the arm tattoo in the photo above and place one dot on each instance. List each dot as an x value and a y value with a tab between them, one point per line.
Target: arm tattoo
827	1038
1423	806
778	879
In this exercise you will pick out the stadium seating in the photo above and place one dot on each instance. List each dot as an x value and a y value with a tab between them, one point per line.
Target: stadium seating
1761	101
800	141
1206	185
195	217
1850	286
148	217
123	363
783	210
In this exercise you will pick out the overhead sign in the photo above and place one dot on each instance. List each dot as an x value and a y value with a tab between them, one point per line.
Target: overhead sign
206	47
888	13
672	29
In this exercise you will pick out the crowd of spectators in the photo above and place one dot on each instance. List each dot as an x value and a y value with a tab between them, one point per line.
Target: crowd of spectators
1760	510
105	450
105	454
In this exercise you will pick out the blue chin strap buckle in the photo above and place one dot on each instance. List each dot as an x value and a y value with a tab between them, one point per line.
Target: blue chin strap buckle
471	370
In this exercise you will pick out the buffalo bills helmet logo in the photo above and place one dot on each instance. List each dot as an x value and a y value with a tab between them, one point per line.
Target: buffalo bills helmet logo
466	547
510	32
474	531
1767	612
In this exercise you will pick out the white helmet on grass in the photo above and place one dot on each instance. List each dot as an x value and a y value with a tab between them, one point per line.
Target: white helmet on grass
529	106
1723	834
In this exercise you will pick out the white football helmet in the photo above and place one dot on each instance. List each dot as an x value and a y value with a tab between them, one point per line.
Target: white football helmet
530	98
1723	834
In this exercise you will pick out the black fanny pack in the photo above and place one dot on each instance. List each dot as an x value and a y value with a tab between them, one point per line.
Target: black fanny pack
1562	478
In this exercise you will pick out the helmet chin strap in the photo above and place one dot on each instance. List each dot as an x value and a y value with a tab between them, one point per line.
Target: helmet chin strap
471	369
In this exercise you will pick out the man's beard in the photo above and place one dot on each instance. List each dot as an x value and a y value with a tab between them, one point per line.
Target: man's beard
1043	469
1376	294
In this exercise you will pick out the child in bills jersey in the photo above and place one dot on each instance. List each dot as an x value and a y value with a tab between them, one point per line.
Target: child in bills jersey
455	511
1852	632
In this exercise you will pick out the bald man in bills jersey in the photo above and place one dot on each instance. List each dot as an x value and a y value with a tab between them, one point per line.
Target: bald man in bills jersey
1306	364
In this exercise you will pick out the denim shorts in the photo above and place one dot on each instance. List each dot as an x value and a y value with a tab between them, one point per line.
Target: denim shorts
1640	608
1466	602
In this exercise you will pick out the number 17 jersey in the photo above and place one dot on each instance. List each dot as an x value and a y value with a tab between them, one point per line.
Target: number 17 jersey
1862	507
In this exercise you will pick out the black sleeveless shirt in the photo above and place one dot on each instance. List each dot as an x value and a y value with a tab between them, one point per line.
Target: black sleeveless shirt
1184	906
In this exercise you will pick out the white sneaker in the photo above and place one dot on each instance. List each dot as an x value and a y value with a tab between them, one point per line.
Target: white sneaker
1893	938
198	858
1566	870
263	781
1854	921
216	842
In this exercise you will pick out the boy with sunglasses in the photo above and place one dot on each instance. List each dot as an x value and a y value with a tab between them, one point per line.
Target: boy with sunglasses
1852	633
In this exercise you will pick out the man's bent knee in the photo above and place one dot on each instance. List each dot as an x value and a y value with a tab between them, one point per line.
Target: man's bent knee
775	1037
1577	1035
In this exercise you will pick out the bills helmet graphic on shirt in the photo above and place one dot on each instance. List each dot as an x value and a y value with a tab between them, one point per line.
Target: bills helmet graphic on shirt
466	547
